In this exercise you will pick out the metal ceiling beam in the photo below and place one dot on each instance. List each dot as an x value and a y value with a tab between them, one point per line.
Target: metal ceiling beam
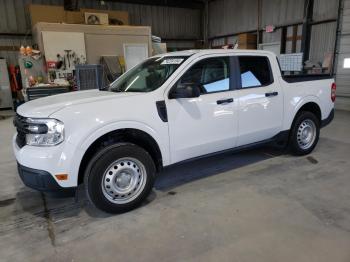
192	4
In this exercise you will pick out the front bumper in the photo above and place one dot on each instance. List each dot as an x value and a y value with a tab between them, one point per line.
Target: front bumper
39	179
60	159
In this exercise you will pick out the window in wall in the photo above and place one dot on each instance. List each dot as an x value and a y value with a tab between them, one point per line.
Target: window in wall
212	75
255	71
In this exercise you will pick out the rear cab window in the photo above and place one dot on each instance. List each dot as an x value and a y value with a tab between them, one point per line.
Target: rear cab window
255	71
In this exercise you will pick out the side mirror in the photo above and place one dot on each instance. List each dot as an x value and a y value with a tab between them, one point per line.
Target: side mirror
189	90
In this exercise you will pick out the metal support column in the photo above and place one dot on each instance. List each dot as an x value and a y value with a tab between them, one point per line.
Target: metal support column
205	15
306	33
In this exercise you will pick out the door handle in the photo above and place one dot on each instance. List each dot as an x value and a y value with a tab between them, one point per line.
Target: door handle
224	101
271	94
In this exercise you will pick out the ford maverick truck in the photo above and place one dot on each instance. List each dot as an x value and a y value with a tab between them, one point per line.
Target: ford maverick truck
168	109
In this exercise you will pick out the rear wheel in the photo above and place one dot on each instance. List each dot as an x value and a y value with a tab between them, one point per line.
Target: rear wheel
119	177
305	133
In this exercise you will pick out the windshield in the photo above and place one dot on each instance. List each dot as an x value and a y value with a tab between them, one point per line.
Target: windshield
147	76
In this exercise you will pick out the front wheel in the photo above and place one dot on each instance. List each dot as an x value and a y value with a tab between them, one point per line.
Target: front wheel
304	134
119	177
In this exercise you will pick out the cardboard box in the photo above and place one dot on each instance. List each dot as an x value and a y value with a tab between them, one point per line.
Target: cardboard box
247	41
46	13
247	46
74	17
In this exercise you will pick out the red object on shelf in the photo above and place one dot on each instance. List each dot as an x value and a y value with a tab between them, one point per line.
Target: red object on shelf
51	64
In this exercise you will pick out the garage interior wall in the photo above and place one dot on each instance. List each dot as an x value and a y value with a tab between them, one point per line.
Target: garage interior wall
242	17
181	27
343	48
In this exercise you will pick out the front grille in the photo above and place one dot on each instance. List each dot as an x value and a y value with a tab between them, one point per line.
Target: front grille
20	124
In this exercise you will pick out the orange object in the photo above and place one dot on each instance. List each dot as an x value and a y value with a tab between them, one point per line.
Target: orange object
22	50
62	176
29	50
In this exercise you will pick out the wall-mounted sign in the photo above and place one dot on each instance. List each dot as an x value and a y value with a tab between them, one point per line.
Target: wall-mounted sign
347	63
269	28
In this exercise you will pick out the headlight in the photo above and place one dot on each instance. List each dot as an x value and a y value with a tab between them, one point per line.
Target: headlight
44	132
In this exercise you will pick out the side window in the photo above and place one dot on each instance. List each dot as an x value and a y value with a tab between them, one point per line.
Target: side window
212	75
255	71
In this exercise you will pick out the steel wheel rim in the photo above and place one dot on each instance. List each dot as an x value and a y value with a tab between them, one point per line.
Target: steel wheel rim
124	180
306	135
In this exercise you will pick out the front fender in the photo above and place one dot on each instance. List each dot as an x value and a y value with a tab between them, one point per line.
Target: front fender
161	139
78	148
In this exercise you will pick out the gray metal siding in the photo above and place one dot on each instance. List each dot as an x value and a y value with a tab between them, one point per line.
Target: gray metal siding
166	22
230	17
281	12
322	40
234	16
325	9
343	75
272	37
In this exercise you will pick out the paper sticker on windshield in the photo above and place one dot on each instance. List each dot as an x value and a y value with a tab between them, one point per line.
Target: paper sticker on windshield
172	61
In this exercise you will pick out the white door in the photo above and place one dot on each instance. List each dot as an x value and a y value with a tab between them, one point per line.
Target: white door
5	89
260	101
208	123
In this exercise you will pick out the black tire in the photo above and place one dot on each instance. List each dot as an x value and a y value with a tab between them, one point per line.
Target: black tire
96	174
295	142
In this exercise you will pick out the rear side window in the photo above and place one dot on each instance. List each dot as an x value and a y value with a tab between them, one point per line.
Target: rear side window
212	74
255	71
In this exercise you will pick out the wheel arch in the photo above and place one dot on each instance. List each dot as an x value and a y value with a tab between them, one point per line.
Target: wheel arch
130	135
309	106
312	107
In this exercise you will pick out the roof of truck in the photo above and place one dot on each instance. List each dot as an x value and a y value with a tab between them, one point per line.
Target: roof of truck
213	51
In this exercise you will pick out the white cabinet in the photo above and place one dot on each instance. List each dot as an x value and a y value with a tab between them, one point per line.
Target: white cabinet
5	90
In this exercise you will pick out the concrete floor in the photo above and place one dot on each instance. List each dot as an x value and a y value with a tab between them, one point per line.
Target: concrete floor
259	205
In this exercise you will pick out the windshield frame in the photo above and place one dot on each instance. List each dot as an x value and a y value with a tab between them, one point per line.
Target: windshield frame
129	73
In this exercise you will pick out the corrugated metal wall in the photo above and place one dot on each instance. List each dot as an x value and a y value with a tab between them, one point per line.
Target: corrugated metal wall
234	16
343	74
323	35
281	12
322	41
228	17
166	22
325	9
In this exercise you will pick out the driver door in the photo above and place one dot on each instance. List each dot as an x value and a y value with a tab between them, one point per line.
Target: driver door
208	123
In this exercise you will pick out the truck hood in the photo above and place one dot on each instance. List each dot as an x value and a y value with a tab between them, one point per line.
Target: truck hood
44	107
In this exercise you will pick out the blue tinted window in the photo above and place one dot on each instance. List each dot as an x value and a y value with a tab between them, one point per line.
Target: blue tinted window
255	71
216	86
249	79
212	75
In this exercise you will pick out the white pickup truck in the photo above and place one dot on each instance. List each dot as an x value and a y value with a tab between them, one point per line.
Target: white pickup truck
168	109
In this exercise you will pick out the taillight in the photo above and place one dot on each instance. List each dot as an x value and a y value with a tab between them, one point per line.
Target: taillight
333	92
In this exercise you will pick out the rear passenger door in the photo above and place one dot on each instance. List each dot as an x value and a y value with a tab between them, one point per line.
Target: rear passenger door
260	101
